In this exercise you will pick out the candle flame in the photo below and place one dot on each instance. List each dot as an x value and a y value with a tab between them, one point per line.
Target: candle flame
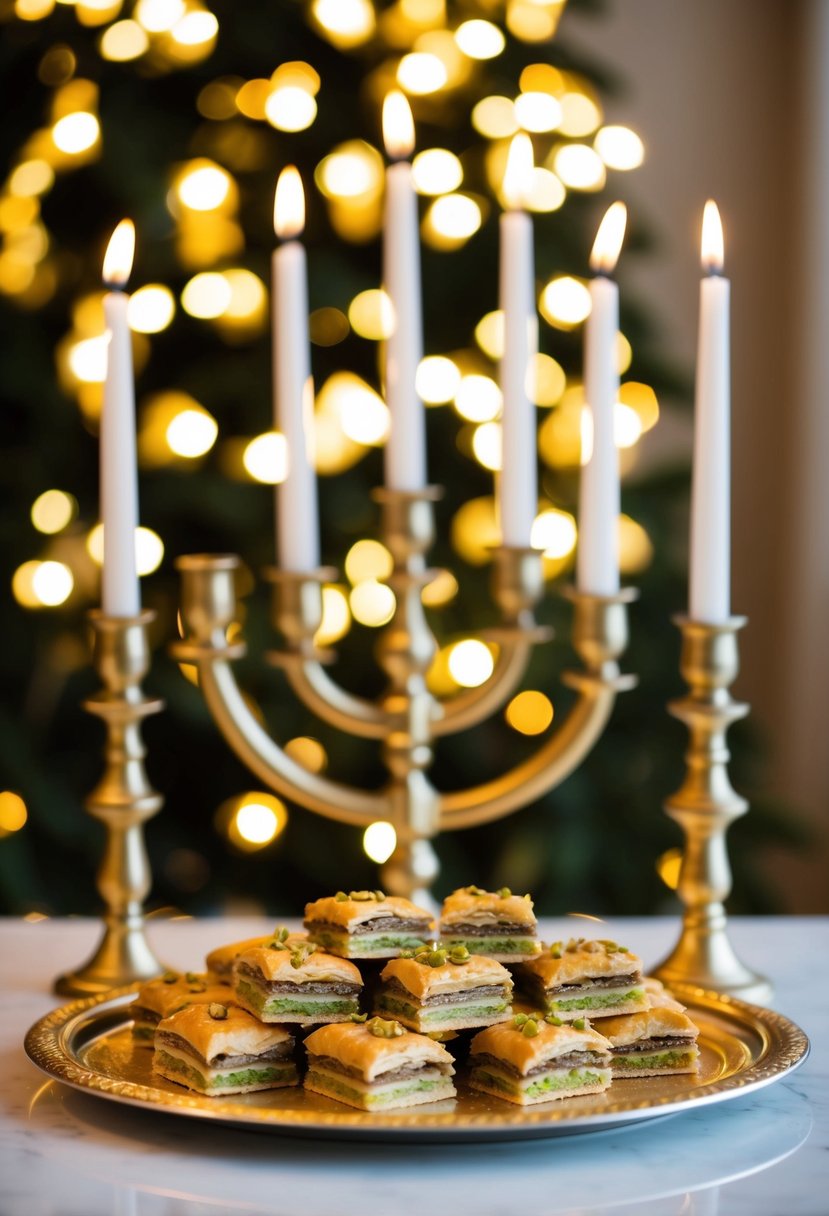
608	242
289	204
119	255
712	253
398	126
518	178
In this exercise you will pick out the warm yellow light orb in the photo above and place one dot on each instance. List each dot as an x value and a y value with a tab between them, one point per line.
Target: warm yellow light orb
258	819
554	532
547	381
33	10
635	546
371	314
627	425
372	603
530	713
266	458
346	23
436	171
619	147
455	216
368	559
76	133
441	590
487	446
159	16
364	416
206	296
565	302
52	583
480	39
379	841
546	191
580	114
537	112
195	29
149	550
52	511
248	296
308	752
470	663
31	178
88	360
352	170
579	167
478	399
204	188
437	379
191	433
151	308
489	334
123	41
420	73
494	117
13	813
475	530
290	108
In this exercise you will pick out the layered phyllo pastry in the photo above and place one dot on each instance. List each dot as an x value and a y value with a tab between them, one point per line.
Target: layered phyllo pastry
529	1060
658	994
652	1044
377	1065
220	962
163	997
585	978
495	923
441	989
367	924
296	982
221	1049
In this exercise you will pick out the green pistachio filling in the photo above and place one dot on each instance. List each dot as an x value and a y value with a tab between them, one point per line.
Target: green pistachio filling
343	943
659	1059
143	1032
495	945
551	1083
442	1013
330	1085
264	1004
272	1074
598	1001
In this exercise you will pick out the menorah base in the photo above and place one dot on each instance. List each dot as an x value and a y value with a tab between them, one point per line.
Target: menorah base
123	956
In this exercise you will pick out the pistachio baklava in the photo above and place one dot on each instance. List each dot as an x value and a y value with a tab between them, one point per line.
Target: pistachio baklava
286	982
367	924
377	1065
162	997
655	1043
659	996
530	1060
580	977
495	923
220	962
440	989
220	1049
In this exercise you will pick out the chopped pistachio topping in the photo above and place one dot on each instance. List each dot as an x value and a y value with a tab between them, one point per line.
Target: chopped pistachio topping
364	897
474	891
579	1024
583	945
217	1012
169	977
192	977
520	1020
383	1029
359	1017
553	1020
459	954
556	949
341	897
530	1029
280	936
301	954
504	893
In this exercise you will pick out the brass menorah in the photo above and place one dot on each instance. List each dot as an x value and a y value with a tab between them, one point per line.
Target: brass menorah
408	717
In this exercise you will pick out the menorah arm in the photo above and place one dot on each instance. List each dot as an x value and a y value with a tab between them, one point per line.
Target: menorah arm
333	704
255	748
555	760
477	704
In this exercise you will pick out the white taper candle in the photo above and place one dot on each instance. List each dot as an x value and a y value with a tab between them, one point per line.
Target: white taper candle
120	595
405	455
598	548
709	593
518	481
297	514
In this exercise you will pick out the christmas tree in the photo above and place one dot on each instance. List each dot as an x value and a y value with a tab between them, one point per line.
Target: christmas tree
181	115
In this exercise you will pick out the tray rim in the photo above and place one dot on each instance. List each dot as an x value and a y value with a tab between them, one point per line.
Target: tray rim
784	1047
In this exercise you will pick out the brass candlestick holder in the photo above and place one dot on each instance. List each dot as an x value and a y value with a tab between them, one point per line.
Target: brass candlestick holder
123	800
704	807
408	717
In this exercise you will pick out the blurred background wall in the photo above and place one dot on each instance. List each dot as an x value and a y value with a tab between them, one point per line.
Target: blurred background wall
732	100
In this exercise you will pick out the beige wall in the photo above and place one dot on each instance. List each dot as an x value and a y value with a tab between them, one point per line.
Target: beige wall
716	89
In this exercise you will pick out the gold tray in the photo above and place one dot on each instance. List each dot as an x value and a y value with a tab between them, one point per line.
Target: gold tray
88	1044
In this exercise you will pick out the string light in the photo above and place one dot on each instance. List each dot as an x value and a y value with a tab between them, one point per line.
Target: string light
479	398
191	433
619	147
436	171
290	108
345	23
437	379
565	302
480	39
52	511
579	167
379	841
471	663
530	712
367	559
421	73
372	603
76	133
266	458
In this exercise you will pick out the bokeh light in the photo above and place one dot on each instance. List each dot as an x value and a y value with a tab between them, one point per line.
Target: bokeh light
420	73
308	752
192	433
565	302
619	147
530	712
151	308
537	112
471	663
255	819
488	446
290	108
371	314
372	603
266	458
52	511
436	171
367	559
580	167
13	813
480	39
478	398
336	616
554	532
204	187
437	379
76	133
379	841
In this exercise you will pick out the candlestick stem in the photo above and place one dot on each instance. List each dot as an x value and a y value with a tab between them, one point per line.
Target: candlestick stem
123	801
704	807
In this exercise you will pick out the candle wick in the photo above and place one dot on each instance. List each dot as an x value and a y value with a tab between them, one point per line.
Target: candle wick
111	285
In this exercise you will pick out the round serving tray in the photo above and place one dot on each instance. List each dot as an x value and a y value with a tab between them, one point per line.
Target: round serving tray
88	1045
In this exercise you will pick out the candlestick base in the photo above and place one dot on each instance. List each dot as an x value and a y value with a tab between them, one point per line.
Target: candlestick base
704	807
123	801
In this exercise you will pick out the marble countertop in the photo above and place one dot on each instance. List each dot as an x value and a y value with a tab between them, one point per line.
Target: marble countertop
64	1153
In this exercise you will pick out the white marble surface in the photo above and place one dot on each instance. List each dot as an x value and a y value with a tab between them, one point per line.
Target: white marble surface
64	1153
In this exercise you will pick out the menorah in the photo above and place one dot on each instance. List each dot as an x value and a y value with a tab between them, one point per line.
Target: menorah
408	717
